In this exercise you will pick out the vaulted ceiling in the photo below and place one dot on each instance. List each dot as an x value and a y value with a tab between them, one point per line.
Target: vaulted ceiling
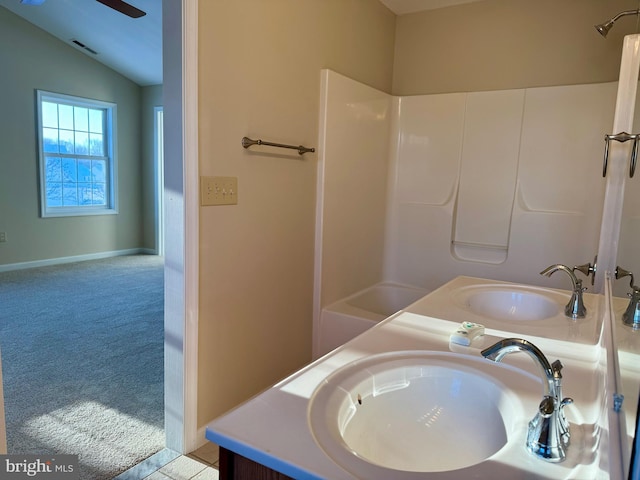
130	46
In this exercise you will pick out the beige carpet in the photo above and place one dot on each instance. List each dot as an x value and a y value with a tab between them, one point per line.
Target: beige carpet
82	357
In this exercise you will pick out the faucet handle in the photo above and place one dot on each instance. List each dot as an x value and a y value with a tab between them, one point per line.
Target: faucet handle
565	434
621	273
588	269
557	367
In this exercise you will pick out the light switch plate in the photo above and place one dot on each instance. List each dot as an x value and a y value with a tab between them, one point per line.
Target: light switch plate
218	191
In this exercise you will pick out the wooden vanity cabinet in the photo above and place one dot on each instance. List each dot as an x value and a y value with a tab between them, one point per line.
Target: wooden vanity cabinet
237	467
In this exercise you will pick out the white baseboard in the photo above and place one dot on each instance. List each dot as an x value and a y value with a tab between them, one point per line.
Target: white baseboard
76	258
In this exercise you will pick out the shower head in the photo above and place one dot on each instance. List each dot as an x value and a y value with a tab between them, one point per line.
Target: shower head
604	28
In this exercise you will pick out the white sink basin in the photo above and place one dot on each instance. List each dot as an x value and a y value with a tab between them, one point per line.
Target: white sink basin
511	303
511	309
417	411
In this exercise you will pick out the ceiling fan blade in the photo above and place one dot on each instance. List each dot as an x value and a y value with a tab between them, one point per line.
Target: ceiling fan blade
124	7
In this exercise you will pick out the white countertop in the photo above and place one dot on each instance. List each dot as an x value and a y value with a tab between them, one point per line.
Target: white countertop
272	428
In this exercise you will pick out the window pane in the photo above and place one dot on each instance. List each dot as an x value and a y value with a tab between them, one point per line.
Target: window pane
82	143
84	194
69	194
50	140
84	170
99	196
69	173
54	194
76	167
66	141
96	121
52	169
65	116
96	144
98	171
81	118
49	114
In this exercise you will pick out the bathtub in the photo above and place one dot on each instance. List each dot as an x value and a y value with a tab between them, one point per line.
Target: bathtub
349	317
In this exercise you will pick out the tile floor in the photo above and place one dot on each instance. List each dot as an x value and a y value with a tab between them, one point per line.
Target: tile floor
168	465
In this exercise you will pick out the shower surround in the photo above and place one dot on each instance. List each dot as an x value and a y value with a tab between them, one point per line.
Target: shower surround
420	189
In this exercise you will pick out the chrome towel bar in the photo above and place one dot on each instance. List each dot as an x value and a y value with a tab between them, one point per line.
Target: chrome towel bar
621	137
247	142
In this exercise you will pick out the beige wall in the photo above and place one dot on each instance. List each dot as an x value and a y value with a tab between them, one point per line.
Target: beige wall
32	59
502	44
259	76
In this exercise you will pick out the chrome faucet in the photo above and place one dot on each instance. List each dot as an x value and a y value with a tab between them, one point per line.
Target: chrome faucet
631	315
575	308
548	434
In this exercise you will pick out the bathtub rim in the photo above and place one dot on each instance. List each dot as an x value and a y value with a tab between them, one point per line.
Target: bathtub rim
344	307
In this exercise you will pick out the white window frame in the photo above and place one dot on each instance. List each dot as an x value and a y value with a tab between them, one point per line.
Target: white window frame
111	206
